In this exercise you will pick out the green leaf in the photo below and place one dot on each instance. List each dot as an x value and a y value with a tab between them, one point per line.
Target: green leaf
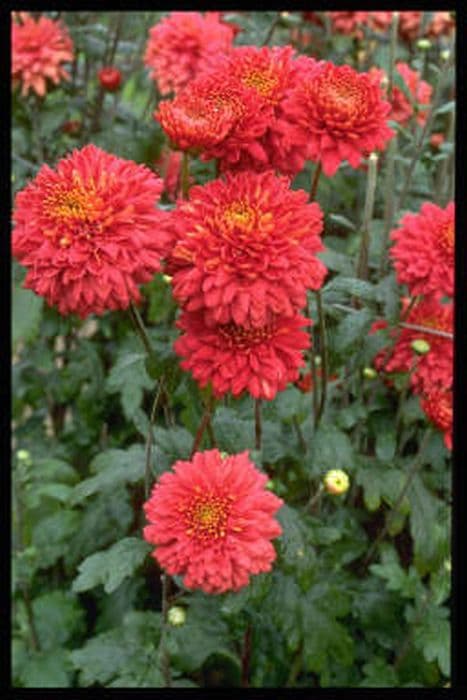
112	566
48	669
336	261
342	288
432	636
342	221
204	633
351	330
112	467
58	616
330	449
26	315
129	378
170	445
127	652
379	674
429	527
295	548
52	534
407	583
233	434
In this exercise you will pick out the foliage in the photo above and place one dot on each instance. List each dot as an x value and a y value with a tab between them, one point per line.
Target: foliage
359	594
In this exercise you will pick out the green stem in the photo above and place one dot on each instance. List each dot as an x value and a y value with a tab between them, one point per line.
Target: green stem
140	329
324	356
149	439
313	369
315	181
185	174
163	651
246	655
258	426
362	265
392	52
389	204
271	29
416	464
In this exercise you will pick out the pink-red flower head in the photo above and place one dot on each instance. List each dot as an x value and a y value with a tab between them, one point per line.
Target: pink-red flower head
246	249
260	361
211	520
38	49
184	43
437	405
88	232
341	113
423	252
434	369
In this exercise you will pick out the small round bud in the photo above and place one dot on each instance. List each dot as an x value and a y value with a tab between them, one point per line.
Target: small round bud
384	82
369	373
373	157
420	346
224	455
176	616
336	481
318	361
270	485
445	55
110	78
167	279
24	456
284	15
447	565
423	44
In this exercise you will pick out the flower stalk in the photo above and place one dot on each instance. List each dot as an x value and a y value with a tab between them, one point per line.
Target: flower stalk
362	265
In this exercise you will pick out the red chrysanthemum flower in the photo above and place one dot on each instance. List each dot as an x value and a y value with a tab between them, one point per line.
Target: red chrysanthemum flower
409	24
214	115
423	252
420	92
349	22
437	139
168	167
89	232
261	361
379	21
434	369
443	23
269	74
38	48
212	522
438	407
342	113
245	249
184	43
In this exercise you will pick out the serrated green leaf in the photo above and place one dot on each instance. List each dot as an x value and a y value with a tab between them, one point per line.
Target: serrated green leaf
58	616
129	378
407	583
432	635
47	669
330	449
351	330
111	566
26	315
379	674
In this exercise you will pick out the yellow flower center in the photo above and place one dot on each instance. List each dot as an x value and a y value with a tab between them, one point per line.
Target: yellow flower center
73	211
243	338
446	237
206	516
262	82
241	215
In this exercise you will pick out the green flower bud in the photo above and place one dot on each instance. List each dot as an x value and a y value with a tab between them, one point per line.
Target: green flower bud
24	456
369	373
224	455
336	482
318	361
176	616
447	565
420	346
445	55
167	279
424	44
270	485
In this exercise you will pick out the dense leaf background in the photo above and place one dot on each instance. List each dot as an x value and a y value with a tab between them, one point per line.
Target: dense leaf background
359	595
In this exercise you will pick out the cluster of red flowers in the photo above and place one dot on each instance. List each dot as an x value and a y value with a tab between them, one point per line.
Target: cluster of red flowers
38	49
211	520
415	99
423	255
409	23
183	44
244	254
263	108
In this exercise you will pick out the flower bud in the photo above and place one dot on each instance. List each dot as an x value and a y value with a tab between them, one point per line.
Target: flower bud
24	456
369	373
423	44
447	565
176	616
445	55
420	346
167	278
110	78
336	481
318	361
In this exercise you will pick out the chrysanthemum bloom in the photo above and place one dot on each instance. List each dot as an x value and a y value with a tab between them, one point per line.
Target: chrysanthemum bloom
437	405
342	113
182	44
168	166
409	24
443	23
211	520
349	22
89	232
246	248
38	48
437	139
214	115
379	21
433	369
402	108
423	252
261	361
269	74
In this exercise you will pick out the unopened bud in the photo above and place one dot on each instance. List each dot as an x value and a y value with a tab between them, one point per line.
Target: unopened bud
424	44
224	455
270	485
318	361
420	346
369	373
447	565
445	55
167	279
24	456
176	616
336	482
